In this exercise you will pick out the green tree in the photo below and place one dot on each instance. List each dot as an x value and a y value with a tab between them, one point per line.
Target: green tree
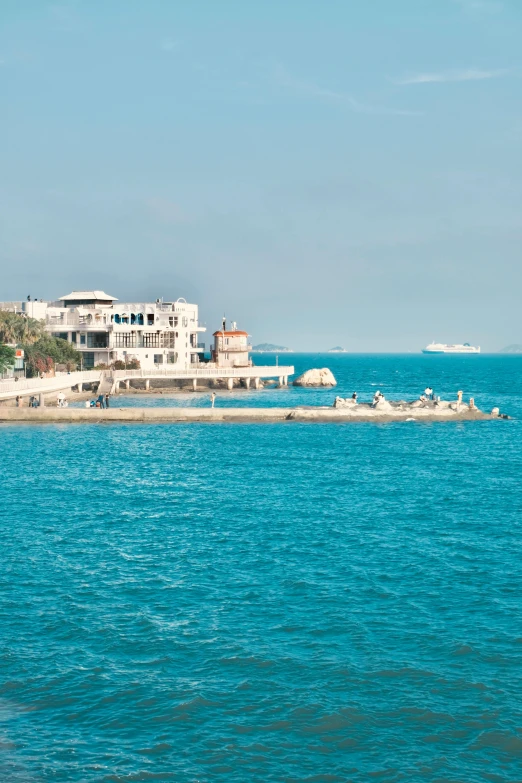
42	355
7	357
17	329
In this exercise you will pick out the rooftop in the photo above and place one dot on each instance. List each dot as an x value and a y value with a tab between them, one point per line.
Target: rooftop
230	333
94	296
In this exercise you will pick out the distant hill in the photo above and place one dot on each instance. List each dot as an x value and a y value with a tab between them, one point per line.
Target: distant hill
271	348
337	349
515	348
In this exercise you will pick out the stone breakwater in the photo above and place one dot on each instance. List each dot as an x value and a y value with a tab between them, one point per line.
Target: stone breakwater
359	413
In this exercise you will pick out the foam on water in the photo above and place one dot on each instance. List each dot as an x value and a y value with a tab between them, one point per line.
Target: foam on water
268	602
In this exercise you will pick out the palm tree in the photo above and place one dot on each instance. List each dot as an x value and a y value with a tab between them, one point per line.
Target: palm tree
31	330
17	329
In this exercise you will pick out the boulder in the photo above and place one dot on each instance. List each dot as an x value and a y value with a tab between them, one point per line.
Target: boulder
344	403
383	406
315	377
495	412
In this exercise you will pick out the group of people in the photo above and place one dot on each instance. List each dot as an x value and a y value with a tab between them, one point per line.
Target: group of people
428	394
102	401
62	401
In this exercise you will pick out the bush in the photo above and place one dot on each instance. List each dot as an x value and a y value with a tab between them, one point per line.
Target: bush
42	355
131	364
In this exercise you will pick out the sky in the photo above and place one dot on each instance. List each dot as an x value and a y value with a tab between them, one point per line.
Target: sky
343	172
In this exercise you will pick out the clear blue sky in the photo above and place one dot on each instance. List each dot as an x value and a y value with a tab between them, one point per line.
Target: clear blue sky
336	172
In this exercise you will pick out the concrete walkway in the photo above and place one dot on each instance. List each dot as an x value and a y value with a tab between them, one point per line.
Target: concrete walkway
27	387
160	414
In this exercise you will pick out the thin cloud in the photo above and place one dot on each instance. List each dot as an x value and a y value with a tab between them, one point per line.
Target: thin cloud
443	77
478	6
339	98
169	45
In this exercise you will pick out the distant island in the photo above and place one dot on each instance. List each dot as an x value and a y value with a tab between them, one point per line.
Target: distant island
515	348
271	348
337	349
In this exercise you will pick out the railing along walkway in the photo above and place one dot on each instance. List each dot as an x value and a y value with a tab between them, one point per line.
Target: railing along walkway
272	371
25	386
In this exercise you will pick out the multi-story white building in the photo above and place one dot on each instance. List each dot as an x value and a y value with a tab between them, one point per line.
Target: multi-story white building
105	330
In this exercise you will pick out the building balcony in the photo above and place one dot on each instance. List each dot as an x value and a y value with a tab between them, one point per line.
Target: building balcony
72	323
233	348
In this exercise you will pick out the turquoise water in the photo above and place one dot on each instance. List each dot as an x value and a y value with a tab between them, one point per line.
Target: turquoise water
268	602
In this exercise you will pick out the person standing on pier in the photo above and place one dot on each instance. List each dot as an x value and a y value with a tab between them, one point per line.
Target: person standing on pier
212	399
107	400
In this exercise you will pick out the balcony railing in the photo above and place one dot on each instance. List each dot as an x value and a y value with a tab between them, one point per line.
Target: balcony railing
208	371
234	348
79	321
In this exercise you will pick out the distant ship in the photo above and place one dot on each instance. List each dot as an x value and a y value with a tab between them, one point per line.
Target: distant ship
443	348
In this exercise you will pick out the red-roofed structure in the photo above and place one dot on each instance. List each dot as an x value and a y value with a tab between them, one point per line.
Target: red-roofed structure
231	347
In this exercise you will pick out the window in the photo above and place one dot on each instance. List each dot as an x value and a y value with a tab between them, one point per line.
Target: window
185	321
97	340
73	337
158	358
83	339
151	340
150	319
168	340
172	357
88	360
125	340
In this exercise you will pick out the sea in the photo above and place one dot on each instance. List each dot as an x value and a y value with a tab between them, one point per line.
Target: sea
254	602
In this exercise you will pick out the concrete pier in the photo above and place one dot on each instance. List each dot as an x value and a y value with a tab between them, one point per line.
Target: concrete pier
161	414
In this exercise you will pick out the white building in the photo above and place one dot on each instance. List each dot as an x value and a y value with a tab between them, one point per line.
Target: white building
105	330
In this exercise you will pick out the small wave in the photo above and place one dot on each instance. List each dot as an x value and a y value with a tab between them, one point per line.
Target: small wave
157	750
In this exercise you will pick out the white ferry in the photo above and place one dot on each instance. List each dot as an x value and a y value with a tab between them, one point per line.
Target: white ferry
443	348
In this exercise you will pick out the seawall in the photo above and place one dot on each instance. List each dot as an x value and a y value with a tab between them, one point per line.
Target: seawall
161	414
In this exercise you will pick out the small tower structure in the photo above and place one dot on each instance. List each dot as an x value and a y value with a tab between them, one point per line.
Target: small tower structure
231	347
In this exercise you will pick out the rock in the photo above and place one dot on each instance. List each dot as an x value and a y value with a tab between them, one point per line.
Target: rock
339	402
315	377
495	412
382	406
